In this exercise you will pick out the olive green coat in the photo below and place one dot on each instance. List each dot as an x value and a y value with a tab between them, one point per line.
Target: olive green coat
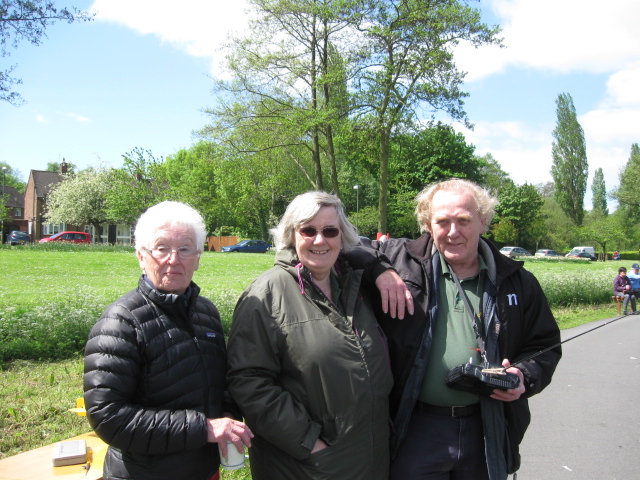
300	370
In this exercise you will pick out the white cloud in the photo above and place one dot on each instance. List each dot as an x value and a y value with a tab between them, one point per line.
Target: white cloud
41	118
622	87
612	126
558	36
77	117
199	27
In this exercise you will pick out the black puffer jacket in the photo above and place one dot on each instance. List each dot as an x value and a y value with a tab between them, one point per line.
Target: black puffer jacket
154	372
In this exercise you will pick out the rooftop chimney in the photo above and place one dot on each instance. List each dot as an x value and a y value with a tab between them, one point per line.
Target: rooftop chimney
63	166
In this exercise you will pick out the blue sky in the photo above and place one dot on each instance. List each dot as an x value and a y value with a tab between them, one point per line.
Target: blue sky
139	75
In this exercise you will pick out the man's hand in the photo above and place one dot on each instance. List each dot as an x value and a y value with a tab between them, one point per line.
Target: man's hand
396	298
513	393
223	430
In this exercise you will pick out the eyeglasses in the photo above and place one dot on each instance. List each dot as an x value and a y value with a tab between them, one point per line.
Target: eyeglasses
162	252
311	232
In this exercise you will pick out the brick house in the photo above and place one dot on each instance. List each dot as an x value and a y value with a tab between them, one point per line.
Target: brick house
35	207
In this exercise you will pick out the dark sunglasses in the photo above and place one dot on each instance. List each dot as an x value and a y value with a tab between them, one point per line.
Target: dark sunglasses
328	232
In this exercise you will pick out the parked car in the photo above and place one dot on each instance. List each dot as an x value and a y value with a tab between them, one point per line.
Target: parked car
547	253
576	250
17	237
593	258
514	252
73	237
253	246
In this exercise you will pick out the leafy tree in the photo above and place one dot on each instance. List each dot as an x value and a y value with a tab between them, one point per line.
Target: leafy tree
27	20
570	168
602	229
628	192
407	64
54	167
599	192
504	231
134	187
12	177
81	198
493	177
521	207
433	154
289	78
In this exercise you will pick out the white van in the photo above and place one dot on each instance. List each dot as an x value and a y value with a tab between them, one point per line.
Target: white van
579	250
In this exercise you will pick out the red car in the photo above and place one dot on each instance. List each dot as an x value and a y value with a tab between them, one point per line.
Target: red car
73	237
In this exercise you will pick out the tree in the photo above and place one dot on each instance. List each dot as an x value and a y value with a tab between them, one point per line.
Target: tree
12	177
599	192
289	79
407	65
493	177
54	167
602	229
628	192
81	198
570	168
432	154
134	187
521	207
27	20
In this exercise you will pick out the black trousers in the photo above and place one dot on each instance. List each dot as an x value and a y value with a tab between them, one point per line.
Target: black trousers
439	447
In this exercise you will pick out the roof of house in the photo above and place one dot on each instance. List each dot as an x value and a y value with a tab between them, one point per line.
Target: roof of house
14	197
43	180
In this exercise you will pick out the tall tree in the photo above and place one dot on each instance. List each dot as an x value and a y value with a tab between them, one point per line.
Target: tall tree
408	65
628	192
493	177
81	198
570	169
599	192
289	78
27	20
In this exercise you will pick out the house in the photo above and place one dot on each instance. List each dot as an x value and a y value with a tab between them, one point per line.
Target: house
14	204
35	207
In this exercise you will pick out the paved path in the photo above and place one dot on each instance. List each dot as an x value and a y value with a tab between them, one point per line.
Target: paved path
586	424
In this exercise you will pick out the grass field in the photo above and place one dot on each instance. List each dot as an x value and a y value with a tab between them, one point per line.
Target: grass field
52	296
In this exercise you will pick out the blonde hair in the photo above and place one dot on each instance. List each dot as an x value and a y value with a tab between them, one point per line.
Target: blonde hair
484	200
303	209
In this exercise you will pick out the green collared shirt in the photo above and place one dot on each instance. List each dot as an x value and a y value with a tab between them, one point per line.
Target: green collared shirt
454	340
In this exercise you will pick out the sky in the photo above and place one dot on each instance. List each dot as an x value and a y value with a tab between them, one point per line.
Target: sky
142	72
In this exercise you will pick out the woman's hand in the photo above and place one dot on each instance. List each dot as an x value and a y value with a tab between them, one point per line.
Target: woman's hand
223	430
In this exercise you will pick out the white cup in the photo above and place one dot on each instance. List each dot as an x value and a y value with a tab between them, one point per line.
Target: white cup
234	459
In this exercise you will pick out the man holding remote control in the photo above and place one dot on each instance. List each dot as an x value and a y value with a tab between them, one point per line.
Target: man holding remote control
472	305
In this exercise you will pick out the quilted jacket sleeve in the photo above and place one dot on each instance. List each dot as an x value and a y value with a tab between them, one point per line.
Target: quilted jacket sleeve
112	371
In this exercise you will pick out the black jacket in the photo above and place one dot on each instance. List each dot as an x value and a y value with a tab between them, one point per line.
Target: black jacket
519	323
154	372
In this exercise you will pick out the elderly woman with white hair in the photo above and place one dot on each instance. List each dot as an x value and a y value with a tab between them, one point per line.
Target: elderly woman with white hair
307	361
154	377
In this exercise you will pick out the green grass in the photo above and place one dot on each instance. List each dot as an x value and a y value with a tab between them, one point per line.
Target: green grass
50	296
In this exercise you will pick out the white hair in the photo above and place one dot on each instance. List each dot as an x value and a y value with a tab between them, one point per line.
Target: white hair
168	215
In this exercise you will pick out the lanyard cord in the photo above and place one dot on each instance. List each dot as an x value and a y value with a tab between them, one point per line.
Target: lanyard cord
476	318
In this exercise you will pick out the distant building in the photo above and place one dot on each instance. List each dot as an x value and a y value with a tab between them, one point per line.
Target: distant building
14	204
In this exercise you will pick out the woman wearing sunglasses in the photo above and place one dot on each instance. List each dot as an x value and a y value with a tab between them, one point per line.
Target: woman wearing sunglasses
307	363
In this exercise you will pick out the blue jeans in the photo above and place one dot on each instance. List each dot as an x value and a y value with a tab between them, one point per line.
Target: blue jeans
439	447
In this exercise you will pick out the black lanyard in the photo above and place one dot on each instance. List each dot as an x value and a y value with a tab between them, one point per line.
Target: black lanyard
476	318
